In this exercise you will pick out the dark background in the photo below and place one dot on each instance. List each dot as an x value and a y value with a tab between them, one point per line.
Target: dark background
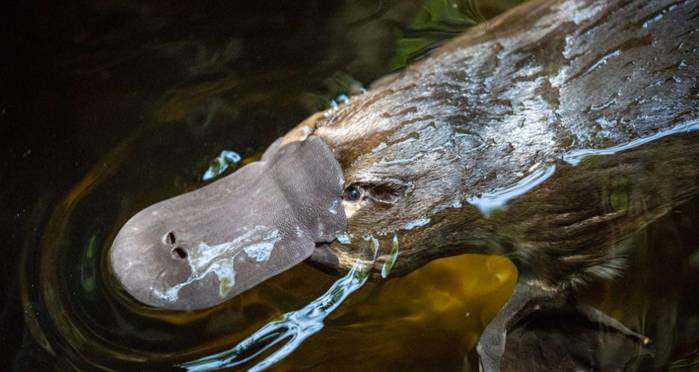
78	77
70	73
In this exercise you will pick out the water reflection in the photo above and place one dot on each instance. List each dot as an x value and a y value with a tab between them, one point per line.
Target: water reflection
498	199
173	92
293	327
428	319
220	164
576	156
392	257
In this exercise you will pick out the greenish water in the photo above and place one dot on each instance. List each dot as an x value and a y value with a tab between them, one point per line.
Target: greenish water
115	106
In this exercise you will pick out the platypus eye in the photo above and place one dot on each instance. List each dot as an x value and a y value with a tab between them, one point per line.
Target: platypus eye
352	193
384	192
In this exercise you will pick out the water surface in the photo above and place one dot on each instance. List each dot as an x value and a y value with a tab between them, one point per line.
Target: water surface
115	106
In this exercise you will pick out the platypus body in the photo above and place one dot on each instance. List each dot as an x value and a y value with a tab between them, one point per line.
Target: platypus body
549	134
506	101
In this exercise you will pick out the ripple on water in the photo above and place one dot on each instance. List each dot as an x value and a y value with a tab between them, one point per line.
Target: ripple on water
489	202
295	326
574	157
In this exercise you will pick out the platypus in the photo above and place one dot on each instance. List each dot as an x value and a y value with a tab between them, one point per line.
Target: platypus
549	134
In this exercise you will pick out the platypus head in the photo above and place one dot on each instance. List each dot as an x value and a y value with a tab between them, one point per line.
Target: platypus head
201	248
404	164
204	247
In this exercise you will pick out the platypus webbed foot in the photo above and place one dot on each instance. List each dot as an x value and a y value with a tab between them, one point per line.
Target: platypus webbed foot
539	330
595	316
525	300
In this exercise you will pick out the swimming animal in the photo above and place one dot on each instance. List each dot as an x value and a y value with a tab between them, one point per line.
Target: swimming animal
549	134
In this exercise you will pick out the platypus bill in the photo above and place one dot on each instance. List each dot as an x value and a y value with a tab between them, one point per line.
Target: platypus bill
549	134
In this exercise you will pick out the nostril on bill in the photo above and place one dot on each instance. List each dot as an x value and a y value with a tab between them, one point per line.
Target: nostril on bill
169	238
178	252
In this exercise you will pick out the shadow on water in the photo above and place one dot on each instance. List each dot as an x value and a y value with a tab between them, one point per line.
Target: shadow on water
119	105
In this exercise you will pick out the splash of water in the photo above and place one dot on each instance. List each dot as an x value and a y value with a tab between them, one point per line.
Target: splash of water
294	327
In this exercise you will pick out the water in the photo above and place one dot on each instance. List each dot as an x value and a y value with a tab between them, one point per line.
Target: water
113	107
495	200
574	157
392	257
220	164
293	327
489	202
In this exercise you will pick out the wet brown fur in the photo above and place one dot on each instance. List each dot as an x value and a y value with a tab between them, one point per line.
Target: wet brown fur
512	96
